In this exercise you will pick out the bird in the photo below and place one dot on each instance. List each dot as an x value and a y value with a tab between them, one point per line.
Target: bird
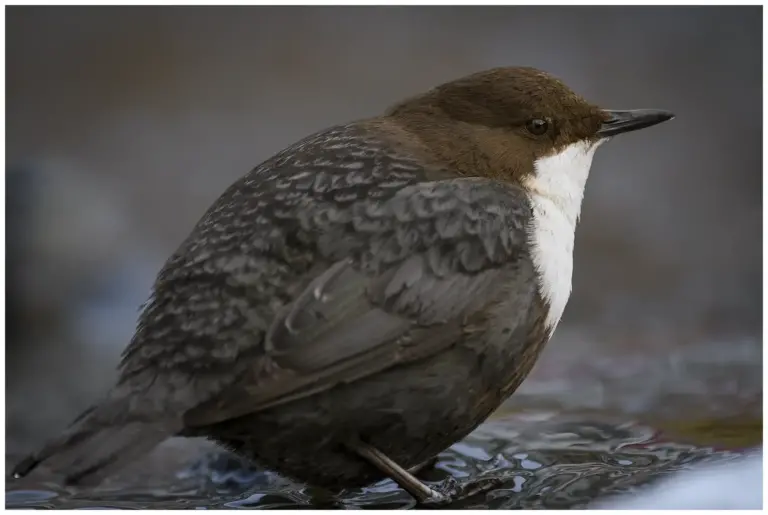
366	297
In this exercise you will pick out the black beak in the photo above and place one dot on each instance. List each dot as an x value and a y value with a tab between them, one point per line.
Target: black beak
618	122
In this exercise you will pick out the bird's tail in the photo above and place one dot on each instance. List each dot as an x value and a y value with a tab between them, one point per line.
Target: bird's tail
94	446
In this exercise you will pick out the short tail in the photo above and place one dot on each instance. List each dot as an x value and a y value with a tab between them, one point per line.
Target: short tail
91	449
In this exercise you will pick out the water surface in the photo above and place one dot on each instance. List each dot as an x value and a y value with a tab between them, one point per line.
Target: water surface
541	459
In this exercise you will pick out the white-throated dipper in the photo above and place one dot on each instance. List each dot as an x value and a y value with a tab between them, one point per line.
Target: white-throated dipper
368	296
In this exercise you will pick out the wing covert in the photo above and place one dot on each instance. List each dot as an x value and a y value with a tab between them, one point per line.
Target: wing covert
403	275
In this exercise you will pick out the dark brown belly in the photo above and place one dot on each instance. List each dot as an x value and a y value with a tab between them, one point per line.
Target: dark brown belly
411	413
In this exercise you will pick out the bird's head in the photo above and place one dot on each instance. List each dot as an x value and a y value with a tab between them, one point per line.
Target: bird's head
518	124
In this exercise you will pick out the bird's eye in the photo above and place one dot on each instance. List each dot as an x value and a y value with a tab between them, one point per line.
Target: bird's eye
537	126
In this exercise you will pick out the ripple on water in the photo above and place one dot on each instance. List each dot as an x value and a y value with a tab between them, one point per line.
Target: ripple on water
543	461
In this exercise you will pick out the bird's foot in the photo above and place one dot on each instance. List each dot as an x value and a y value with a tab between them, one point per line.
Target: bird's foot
450	490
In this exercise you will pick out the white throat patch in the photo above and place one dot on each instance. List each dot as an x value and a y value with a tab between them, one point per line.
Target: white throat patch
557	188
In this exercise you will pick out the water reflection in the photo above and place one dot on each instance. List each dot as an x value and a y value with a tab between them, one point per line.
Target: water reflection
542	460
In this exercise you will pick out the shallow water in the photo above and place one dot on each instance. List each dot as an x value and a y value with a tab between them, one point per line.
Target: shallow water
542	460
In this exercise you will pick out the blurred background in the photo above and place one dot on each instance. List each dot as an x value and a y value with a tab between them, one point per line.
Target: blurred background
124	124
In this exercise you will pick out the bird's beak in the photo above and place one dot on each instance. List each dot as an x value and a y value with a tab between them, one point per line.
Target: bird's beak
618	122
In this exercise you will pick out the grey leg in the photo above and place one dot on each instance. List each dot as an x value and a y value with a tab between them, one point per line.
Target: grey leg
320	498
421	492
430	463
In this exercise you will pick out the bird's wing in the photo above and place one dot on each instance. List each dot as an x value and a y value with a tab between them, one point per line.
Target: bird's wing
402	278
396	247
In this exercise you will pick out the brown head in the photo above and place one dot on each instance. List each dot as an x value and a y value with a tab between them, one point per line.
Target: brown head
500	122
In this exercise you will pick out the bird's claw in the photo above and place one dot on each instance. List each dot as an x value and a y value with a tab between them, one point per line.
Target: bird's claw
450	490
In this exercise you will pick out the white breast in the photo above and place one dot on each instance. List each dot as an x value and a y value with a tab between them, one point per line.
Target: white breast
557	188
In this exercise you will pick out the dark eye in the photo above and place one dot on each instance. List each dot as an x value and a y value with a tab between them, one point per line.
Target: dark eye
537	126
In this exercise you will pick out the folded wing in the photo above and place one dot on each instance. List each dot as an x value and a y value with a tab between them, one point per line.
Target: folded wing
402	277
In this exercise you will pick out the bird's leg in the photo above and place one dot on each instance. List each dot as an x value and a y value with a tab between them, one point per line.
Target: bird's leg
421	492
451	489
322	499
416	469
